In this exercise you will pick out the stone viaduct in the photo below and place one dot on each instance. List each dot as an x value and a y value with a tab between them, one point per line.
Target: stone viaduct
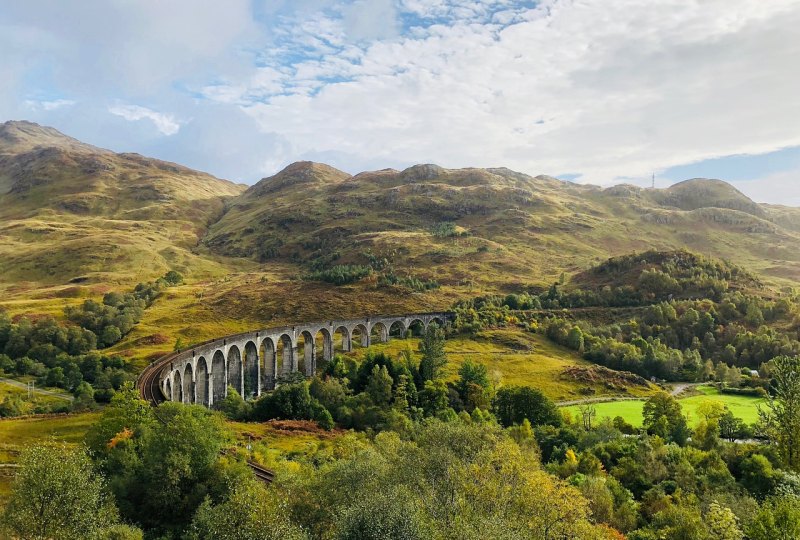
252	362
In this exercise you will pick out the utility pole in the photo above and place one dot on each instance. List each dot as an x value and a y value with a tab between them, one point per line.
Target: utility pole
30	389
654	180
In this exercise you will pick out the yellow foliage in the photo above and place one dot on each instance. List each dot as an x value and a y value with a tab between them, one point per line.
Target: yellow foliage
570	458
123	435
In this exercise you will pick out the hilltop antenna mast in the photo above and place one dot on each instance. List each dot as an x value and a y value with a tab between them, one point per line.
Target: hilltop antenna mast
654	180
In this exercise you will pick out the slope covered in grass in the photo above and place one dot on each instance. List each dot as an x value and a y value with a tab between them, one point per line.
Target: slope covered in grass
490	226
70	211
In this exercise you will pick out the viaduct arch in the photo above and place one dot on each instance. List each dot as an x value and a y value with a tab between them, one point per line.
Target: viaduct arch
252	362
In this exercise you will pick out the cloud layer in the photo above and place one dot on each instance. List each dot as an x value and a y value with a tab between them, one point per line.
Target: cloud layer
605	91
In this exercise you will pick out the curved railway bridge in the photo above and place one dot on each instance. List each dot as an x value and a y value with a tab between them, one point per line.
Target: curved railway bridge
252	362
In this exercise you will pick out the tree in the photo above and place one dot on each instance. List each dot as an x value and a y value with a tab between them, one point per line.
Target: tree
57	495
379	386
13	405
731	427
781	418
757	475
473	384
588	413
433	397
722	523
778	519
249	512
288	401
161	463
84	396
663	417
382	516
433	355
575	339
110	335
234	406
513	404
173	278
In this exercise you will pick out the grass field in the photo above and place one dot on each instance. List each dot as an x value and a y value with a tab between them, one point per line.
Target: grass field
7	389
744	407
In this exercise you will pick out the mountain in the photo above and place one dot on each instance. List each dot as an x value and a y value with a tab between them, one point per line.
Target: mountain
69	210
76	220
493	227
706	193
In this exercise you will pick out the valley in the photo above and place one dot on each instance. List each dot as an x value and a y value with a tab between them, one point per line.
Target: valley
599	299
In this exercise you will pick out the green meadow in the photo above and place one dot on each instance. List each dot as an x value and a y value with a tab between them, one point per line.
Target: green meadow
744	407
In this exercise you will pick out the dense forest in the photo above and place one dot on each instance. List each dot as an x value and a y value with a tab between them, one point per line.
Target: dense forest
689	319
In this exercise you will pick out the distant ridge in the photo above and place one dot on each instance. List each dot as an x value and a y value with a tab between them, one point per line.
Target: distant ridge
68	207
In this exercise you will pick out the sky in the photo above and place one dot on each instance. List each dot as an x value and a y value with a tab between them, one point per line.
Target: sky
593	91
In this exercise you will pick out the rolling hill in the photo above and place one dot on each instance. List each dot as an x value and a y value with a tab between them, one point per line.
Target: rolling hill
70	211
76	221
493	227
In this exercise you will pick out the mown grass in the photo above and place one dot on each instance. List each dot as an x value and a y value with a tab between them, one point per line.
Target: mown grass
744	407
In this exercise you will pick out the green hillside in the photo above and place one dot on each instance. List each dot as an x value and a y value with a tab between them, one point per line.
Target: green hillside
77	221
73	212
492	227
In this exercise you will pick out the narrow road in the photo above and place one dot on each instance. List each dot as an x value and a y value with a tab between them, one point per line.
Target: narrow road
680	388
41	391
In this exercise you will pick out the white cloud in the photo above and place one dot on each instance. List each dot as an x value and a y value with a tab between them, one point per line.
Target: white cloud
604	89
164	123
48	105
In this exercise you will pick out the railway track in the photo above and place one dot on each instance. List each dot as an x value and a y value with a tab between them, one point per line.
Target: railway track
147	384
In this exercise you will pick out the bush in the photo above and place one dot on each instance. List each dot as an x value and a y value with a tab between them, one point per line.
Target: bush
289	402
173	278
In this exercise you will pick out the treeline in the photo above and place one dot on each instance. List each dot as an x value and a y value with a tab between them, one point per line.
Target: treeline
64	356
384	393
170	472
58	356
687	340
381	268
669	481
671	340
